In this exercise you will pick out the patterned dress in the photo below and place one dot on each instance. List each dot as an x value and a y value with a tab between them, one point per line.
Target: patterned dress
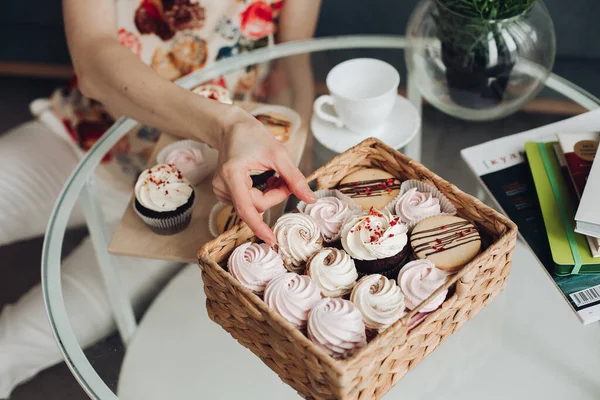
175	38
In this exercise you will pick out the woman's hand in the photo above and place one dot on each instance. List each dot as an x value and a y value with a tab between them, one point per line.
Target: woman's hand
247	146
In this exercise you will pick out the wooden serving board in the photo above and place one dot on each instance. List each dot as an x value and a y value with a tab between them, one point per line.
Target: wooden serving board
133	238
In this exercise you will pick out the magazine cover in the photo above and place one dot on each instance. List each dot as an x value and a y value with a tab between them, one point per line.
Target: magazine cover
502	168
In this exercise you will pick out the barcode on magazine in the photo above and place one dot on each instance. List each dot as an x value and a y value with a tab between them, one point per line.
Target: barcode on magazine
586	296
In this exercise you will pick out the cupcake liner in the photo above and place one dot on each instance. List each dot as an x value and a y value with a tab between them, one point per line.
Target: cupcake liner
355	208
208	152
389	273
446	207
168	225
287	112
212	218
371	334
335	244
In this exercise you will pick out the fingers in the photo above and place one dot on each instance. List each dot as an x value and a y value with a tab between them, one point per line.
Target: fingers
246	210
220	190
293	177
223	197
265	200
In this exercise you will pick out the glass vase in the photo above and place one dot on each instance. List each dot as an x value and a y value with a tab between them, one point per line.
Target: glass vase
475	68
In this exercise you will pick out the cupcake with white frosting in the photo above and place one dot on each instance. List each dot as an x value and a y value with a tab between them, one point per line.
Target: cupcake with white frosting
164	199
255	265
379	300
292	296
337	327
377	241
418	280
333	271
298	238
330	211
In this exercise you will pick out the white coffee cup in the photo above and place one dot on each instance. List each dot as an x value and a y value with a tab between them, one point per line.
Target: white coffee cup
363	93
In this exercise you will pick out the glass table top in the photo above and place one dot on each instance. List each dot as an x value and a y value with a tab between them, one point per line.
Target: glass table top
526	343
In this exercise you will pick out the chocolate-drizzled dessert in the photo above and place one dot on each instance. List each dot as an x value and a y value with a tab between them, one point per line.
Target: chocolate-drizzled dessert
370	187
227	218
278	125
448	241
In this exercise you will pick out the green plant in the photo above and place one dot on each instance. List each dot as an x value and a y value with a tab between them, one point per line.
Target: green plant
488	9
466	25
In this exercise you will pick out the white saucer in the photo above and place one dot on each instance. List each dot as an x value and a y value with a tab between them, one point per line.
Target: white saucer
401	127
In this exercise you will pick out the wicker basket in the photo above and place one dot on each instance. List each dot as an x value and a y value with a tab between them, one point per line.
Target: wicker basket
375	368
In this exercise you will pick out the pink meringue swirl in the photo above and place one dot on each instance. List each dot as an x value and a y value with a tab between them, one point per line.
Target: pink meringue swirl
254	265
329	213
414	205
418	280
337	327
191	162
292	296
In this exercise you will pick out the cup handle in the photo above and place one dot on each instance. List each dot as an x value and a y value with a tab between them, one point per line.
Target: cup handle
318	109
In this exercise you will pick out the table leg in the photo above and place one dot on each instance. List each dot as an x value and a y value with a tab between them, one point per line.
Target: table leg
117	295
413	149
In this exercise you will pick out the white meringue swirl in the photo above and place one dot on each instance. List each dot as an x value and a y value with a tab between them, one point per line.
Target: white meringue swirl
374	235
162	188
379	300
298	238
330	213
337	327
292	296
254	265
418	280
414	205
333	271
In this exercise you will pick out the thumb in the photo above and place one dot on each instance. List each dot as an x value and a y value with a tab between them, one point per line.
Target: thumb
294	179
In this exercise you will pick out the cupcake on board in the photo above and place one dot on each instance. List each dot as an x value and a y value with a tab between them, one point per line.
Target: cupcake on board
164	199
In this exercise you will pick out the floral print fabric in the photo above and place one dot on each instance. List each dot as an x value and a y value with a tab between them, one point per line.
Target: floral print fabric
175	38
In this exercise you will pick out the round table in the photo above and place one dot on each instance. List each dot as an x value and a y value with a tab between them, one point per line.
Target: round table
528	341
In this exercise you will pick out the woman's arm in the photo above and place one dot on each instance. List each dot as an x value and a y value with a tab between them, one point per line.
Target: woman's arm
111	74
